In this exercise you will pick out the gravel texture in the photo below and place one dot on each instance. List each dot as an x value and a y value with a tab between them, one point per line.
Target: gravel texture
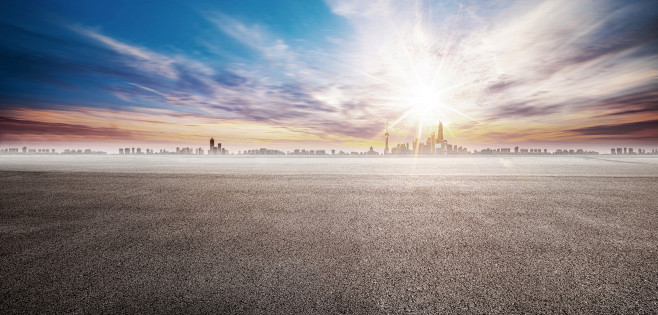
298	242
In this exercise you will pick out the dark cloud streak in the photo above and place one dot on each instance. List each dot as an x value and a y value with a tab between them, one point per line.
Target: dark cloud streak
620	129
525	109
11	126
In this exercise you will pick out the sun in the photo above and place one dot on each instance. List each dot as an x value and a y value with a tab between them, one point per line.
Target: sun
423	98
424	103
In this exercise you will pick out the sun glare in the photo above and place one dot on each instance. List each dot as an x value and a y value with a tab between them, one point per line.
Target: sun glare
424	103
424	97
421	80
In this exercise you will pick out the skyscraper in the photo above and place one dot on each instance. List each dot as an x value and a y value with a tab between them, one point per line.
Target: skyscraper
386	148
212	145
439	135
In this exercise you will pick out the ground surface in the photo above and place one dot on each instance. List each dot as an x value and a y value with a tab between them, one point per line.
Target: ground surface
88	234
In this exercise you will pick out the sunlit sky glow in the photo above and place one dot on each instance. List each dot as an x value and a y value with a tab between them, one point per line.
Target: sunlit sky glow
323	75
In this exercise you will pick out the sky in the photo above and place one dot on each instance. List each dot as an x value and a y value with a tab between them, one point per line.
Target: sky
328	74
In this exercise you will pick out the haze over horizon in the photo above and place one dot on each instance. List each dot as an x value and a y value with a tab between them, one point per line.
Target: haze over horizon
314	74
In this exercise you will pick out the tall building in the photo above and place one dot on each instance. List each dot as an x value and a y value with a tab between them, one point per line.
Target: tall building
386	148
212	145
439	135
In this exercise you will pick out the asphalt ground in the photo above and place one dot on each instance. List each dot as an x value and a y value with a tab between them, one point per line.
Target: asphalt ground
113	242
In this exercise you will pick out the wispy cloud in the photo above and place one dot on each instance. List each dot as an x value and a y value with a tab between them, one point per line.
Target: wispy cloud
143	59
254	36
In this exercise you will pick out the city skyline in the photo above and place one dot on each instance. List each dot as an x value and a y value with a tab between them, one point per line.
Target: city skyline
329	75
436	145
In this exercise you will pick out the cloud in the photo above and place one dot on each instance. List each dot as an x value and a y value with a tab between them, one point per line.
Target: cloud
524	109
243	95
621	129
12	126
229	79
143	59
585	51
634	111
254	36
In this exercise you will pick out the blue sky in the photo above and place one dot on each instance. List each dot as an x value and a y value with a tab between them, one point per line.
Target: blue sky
316	74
